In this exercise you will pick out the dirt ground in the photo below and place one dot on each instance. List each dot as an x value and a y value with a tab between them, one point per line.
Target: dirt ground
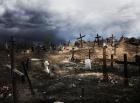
69	82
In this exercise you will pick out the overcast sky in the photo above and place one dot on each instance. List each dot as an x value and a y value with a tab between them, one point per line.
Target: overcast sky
68	18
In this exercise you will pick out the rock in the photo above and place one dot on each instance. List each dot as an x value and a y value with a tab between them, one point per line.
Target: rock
72	85
58	102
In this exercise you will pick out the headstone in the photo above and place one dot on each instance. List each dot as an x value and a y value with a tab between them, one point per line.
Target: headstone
58	102
88	64
46	64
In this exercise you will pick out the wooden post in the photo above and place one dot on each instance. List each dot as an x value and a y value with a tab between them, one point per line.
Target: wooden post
81	40
125	70
28	63
115	47
105	74
112	60
82	92
14	87
89	54
72	58
29	81
137	60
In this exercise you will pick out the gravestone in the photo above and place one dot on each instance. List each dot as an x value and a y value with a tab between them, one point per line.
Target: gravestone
46	65
88	64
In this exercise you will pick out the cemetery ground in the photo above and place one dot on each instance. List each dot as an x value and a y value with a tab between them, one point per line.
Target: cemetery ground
70	82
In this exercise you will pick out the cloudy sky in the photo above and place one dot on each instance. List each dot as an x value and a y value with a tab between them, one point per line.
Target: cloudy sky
68	18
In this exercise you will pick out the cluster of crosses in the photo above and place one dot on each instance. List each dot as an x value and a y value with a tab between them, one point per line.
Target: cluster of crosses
99	40
105	71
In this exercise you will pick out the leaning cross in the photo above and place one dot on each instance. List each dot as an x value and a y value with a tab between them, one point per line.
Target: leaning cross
81	39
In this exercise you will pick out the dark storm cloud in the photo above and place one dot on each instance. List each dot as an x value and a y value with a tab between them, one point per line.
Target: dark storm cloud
25	23
67	18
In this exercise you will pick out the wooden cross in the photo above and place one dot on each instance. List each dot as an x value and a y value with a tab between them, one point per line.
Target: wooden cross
105	74
72	58
98	39
68	43
112	39
113	44
125	62
136	62
81	40
12	56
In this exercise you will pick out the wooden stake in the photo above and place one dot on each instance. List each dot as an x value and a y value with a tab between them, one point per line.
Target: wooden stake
112	60
125	70
137	60
72	58
82	92
89	53
29	81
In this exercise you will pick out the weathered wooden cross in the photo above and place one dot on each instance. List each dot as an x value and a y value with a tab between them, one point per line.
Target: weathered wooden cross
125	62
81	39
112	39
98	39
105	74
